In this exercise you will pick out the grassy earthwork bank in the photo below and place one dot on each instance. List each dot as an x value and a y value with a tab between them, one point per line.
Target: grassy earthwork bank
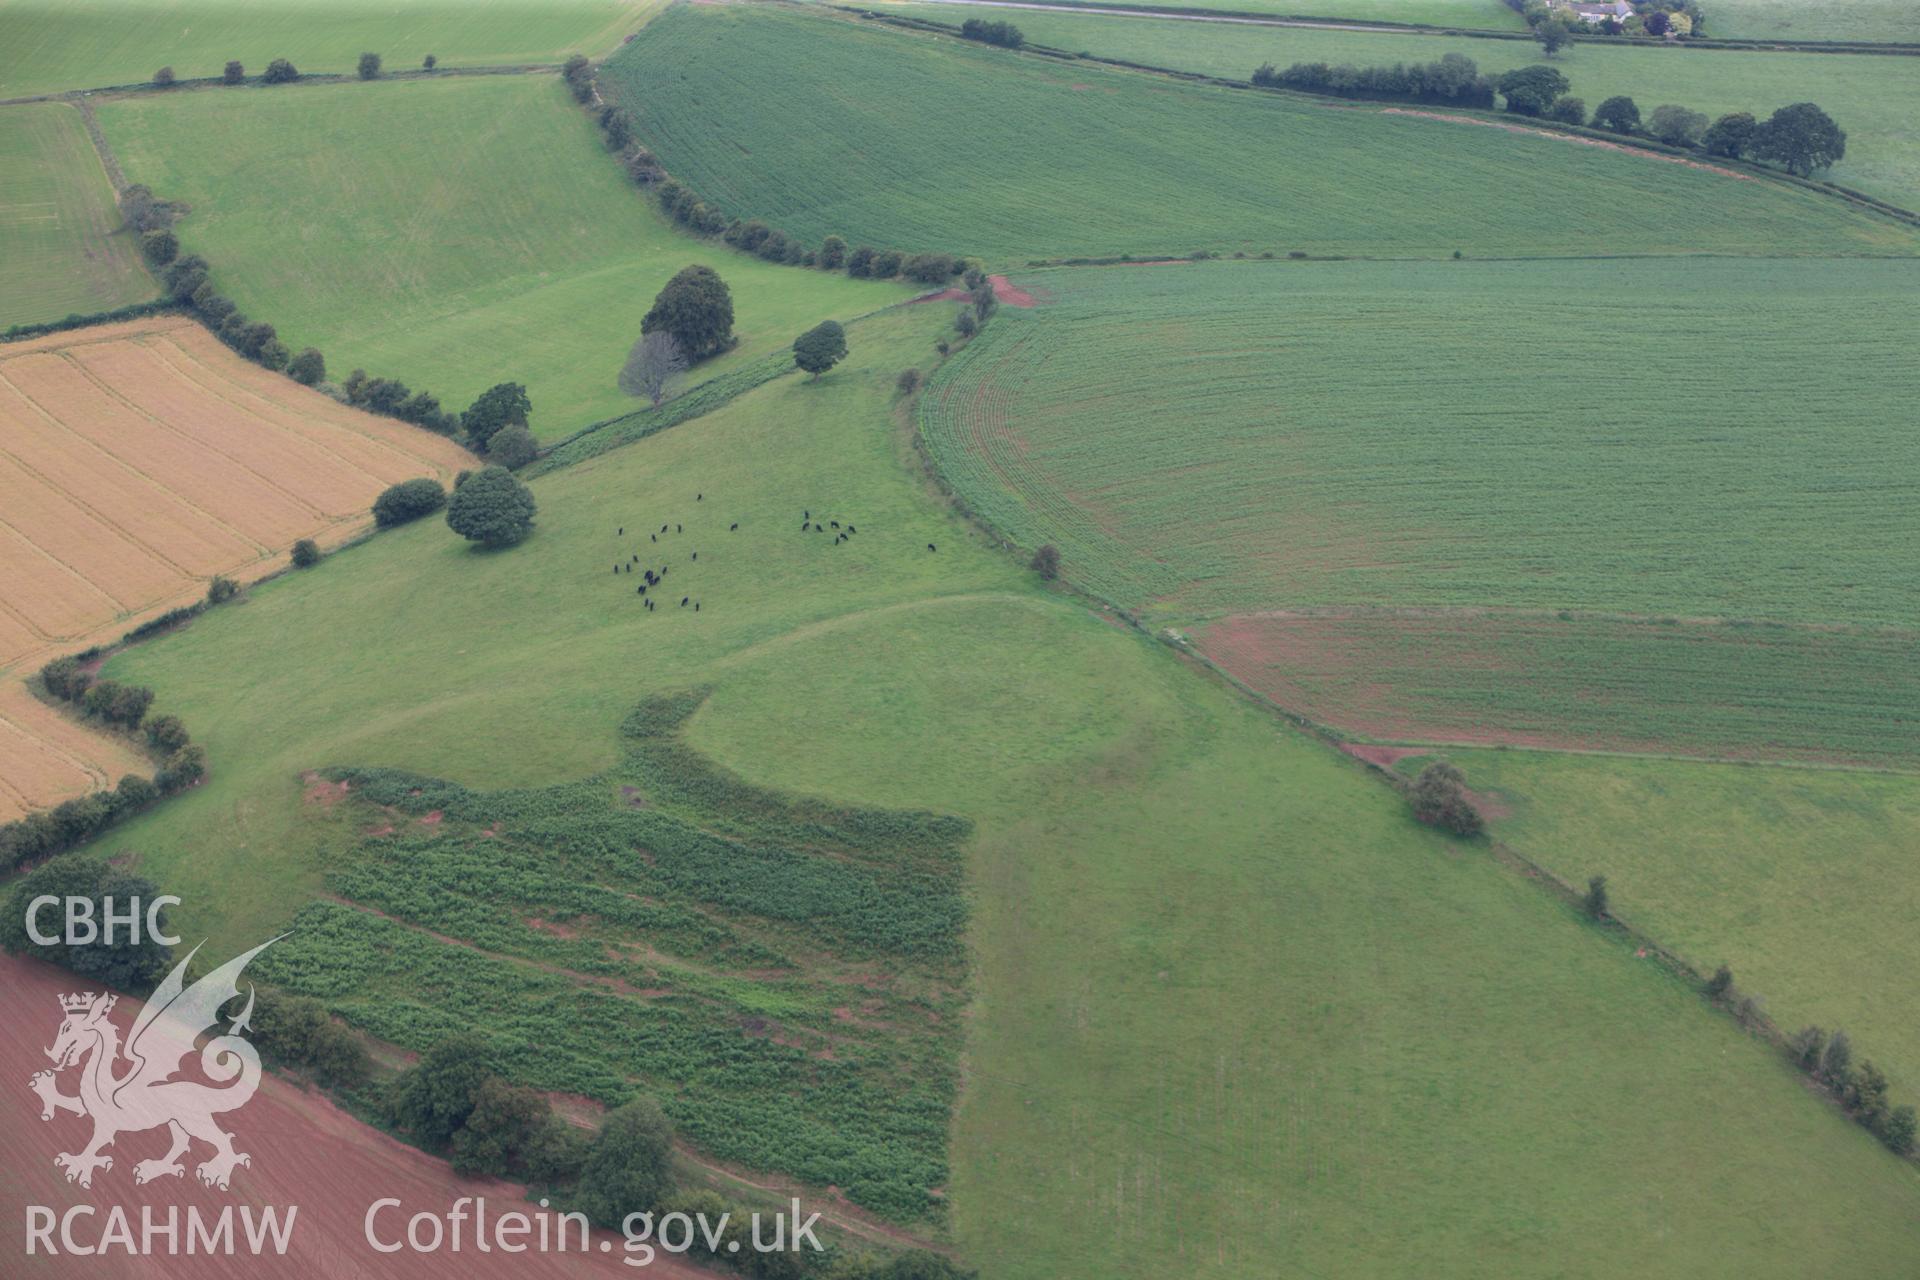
452	234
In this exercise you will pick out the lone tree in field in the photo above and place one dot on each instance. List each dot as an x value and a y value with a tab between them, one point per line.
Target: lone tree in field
280	71
653	365
234	73
163	77
1554	35
629	1169
1046	562
505	404
1595	902
696	307
491	508
1529	91
429	62
1801	137
820	348
1619	114
306	553
1440	800
369	66
1731	135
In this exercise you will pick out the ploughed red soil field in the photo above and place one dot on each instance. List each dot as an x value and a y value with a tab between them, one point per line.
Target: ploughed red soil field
306	1152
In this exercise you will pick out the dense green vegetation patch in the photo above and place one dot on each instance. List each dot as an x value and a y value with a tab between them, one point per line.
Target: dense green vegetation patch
730	988
48	45
451	233
1086	161
1875	99
62	249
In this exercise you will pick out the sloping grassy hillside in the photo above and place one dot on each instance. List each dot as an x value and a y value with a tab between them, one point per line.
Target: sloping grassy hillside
1816	20
1875	99
1801	880
49	45
1488	14
1230	1004
927	142
62	248
451	233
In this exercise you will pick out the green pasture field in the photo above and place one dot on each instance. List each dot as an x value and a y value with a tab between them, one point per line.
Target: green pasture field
1476	14
1801	880
1649	438
1652	437
1720	689
50	45
62	248
1875	99
1226	1002
451	233
1888	20
1090	162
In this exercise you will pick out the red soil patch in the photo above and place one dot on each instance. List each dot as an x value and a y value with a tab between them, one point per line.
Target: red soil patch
306	1152
385	830
1571	137
432	819
323	793
1011	294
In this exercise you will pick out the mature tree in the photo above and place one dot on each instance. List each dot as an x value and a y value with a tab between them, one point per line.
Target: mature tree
1657	22
433	1100
1568	111
1676	126
1802	137
160	246
923	1264
408	500
1553	34
369	66
222	589
1529	91
167	733
128	964
629	1168
512	448
497	1130
1440	800
491	508
183	768
697	309
280	71
306	553
1679	24
163	77
309	367
1618	114
932	268
234	73
653	366
886	264
1595	903
1898	1130
505	404
1731	135
429	62
1807	1045
1836	1061
1720	983
1046	562
820	348
833	253
860	261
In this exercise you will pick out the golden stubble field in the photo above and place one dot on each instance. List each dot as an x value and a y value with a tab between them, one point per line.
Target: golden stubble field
137	461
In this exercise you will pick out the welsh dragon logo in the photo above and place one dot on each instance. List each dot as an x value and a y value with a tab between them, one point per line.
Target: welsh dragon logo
130	1089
